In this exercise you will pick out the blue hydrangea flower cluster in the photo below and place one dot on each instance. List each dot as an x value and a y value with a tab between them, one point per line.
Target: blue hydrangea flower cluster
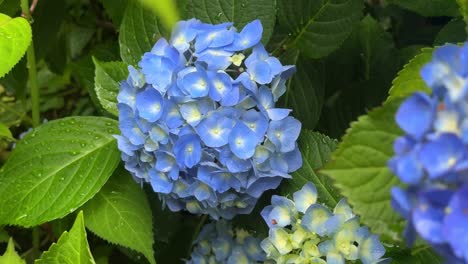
219	243
199	122
432	156
303	231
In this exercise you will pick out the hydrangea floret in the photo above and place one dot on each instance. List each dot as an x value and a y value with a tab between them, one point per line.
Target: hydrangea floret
432	157
218	242
303	231
198	119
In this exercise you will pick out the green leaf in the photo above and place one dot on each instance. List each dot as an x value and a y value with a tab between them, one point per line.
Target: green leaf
305	91
4	237
115	9
10	7
139	30
107	78
409	79
10	256
429	7
5	132
452	32
56	168
359	168
418	255
239	12
120	213
165	9
319	27
464	11
71	248
316	150
15	37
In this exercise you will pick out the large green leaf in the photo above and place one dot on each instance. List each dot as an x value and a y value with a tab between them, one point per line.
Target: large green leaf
429	7
56	168
239	12
107	78
409	80
305	91
319	27
452	32
120	214
115	9
359	168
10	256
139	30
71	248
418	255
464	11
15	37
316	150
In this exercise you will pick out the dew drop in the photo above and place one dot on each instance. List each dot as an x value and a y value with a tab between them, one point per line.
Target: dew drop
83	145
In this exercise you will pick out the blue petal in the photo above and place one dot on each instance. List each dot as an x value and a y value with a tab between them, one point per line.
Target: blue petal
407	168
215	59
250	35
284	133
191	113
401	202
196	84
276	114
256	122
125	146
222	248
160	182
455	223
428	222
164	162
214	130
242	141
253	249
183	34
416	114
149	104
260	72
127	94
172	115
128	125
232	97
187	150
441	155
257	188
219	181
158	71
320	220
371	250
335	258
136	77
305	197
221	85
403	144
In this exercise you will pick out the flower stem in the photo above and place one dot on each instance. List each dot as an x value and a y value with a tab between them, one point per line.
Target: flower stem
31	63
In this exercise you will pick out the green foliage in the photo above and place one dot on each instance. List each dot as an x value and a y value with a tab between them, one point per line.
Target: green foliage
139	30
108	76
165	9
120	214
464	11
5	133
115	9
409	80
452	32
71	248
239	12
10	256
429	7
318	27
15	37
359	168
418	255
305	92
316	150
56	168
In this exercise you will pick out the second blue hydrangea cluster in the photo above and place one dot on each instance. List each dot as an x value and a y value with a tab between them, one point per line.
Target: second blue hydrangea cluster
220	243
303	231
199	122
432	157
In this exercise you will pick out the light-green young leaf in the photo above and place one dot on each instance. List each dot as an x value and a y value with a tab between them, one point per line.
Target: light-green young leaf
10	256
238	12
165	9
15	37
56	168
464	11
71	248
409	79
107	78
120	214
316	150
139	31
318	28
5	132
359	168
